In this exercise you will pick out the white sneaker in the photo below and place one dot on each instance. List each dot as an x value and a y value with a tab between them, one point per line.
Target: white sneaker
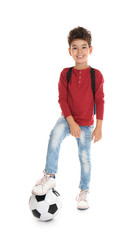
43	185
82	199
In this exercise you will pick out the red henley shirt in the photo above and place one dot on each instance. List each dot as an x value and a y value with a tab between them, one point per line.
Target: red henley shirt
76	99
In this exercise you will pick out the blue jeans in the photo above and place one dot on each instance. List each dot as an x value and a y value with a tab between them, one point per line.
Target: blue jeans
58	133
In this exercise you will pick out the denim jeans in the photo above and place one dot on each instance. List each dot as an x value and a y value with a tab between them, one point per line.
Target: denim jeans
58	133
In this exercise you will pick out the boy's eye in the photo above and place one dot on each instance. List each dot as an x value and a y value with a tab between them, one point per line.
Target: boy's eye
83	47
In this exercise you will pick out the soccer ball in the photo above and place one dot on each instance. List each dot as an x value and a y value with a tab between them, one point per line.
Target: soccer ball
47	206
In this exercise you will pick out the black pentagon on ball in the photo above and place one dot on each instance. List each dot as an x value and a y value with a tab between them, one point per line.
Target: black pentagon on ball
40	198
52	208
36	213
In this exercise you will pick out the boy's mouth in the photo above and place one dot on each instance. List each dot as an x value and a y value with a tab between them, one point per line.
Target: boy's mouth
80	56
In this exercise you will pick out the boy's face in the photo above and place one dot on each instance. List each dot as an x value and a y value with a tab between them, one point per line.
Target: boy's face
80	50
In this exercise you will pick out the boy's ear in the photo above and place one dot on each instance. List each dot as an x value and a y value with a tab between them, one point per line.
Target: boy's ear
91	48
69	51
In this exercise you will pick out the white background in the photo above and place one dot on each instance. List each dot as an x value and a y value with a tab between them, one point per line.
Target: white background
33	52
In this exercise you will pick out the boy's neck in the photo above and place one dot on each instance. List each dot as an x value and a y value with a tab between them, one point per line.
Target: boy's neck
81	66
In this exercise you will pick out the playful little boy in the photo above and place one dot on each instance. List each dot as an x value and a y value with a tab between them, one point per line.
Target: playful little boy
76	101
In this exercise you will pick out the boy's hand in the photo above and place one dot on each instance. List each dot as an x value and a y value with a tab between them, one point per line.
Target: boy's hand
75	129
97	134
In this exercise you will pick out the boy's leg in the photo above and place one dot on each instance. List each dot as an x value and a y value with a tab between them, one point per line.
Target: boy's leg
58	133
84	149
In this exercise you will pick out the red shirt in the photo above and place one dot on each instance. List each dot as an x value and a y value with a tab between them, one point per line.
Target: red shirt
76	98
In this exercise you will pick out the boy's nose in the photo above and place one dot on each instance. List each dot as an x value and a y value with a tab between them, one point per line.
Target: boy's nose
79	50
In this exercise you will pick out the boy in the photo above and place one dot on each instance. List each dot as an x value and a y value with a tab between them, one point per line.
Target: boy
77	105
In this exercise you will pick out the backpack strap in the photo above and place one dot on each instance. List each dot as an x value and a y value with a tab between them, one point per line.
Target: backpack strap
93	81
69	74
93	86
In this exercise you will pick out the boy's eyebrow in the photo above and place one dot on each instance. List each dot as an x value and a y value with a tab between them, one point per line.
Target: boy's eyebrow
81	45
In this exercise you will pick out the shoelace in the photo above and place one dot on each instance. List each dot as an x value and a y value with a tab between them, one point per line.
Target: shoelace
82	195
43	179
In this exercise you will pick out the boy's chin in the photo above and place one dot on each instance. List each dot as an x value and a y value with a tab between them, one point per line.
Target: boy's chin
81	62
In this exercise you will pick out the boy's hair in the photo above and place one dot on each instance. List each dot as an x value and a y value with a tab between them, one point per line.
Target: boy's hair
79	33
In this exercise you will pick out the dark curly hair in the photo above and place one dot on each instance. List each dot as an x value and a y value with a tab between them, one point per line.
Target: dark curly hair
79	33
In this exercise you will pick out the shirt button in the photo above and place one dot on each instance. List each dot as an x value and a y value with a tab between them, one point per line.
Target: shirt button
79	71
79	82
79	76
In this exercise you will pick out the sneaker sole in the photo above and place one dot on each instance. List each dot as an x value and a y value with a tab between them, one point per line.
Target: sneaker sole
82	208
41	194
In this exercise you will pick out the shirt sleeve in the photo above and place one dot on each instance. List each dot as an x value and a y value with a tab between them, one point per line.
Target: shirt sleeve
99	95
62	98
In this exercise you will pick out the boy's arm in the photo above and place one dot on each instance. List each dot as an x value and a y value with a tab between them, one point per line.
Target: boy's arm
62	88
70	120
97	133
99	99
99	123
62	98
99	95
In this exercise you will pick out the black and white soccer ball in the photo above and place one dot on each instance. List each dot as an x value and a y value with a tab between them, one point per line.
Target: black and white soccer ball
47	206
